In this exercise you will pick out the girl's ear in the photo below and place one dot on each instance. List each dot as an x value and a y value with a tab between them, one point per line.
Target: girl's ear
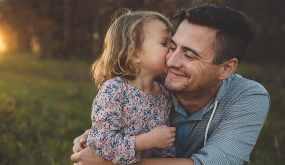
228	69
136	58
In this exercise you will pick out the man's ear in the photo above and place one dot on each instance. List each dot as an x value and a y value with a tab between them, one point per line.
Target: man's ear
228	69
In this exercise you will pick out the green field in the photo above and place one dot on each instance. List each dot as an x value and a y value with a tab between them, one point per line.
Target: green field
44	105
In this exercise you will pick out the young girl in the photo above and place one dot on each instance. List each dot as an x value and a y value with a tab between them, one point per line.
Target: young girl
130	112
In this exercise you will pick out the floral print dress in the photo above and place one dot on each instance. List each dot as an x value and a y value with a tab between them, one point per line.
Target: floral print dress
121	111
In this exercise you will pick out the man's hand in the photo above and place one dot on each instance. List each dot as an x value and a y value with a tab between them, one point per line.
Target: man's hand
80	142
162	136
84	155
88	157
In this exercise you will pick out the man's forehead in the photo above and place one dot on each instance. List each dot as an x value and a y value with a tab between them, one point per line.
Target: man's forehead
189	27
186	31
194	36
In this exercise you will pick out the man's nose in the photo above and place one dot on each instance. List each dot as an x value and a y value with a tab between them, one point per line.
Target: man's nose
174	59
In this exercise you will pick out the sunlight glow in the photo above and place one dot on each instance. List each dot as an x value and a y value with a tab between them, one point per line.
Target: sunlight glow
2	46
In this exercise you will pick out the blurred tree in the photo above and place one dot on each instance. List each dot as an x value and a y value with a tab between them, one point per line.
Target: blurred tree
71	28
269	19
76	29
15	24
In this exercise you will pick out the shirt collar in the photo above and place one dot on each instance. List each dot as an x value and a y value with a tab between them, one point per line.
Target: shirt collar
178	108
198	115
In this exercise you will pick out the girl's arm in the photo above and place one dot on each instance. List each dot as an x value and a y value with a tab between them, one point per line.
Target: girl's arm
112	145
164	137
119	148
159	137
106	137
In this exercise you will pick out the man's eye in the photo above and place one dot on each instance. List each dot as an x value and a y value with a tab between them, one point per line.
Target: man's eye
189	56
172	48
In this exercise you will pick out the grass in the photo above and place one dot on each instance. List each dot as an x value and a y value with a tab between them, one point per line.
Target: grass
44	105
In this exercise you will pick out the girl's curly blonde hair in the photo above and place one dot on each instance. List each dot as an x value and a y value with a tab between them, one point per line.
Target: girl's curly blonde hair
124	36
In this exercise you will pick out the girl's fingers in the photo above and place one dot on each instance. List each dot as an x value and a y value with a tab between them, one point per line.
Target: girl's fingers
172	129
172	140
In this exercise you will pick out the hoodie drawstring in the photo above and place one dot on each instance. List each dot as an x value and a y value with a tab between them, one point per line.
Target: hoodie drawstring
210	120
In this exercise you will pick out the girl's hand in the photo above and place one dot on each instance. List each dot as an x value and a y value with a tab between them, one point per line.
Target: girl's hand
162	136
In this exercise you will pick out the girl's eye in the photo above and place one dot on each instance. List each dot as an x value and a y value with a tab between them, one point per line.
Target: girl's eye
164	43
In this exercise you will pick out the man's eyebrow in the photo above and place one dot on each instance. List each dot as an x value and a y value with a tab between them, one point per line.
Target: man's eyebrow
171	40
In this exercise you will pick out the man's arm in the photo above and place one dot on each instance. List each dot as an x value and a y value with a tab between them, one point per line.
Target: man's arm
79	143
88	157
234	138
166	161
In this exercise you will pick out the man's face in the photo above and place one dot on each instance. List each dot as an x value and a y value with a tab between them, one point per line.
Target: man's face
189	60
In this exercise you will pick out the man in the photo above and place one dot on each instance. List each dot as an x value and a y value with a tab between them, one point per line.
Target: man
218	116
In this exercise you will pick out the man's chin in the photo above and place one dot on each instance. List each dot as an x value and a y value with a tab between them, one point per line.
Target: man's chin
172	87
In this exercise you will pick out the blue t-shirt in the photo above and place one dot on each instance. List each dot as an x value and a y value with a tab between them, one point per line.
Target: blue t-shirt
242	107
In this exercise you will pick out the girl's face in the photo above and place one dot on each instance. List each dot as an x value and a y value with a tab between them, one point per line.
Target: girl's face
154	48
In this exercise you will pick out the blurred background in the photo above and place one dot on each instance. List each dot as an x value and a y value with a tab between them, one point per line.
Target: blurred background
46	91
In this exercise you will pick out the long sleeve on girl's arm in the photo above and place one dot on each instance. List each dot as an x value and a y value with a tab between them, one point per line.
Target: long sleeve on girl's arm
112	146
106	137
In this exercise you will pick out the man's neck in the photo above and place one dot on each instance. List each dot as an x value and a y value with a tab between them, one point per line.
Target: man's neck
194	102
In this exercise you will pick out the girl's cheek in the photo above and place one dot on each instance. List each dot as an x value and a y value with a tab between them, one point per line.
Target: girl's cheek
168	55
166	51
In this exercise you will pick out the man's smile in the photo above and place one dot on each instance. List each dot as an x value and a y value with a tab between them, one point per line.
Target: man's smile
174	74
